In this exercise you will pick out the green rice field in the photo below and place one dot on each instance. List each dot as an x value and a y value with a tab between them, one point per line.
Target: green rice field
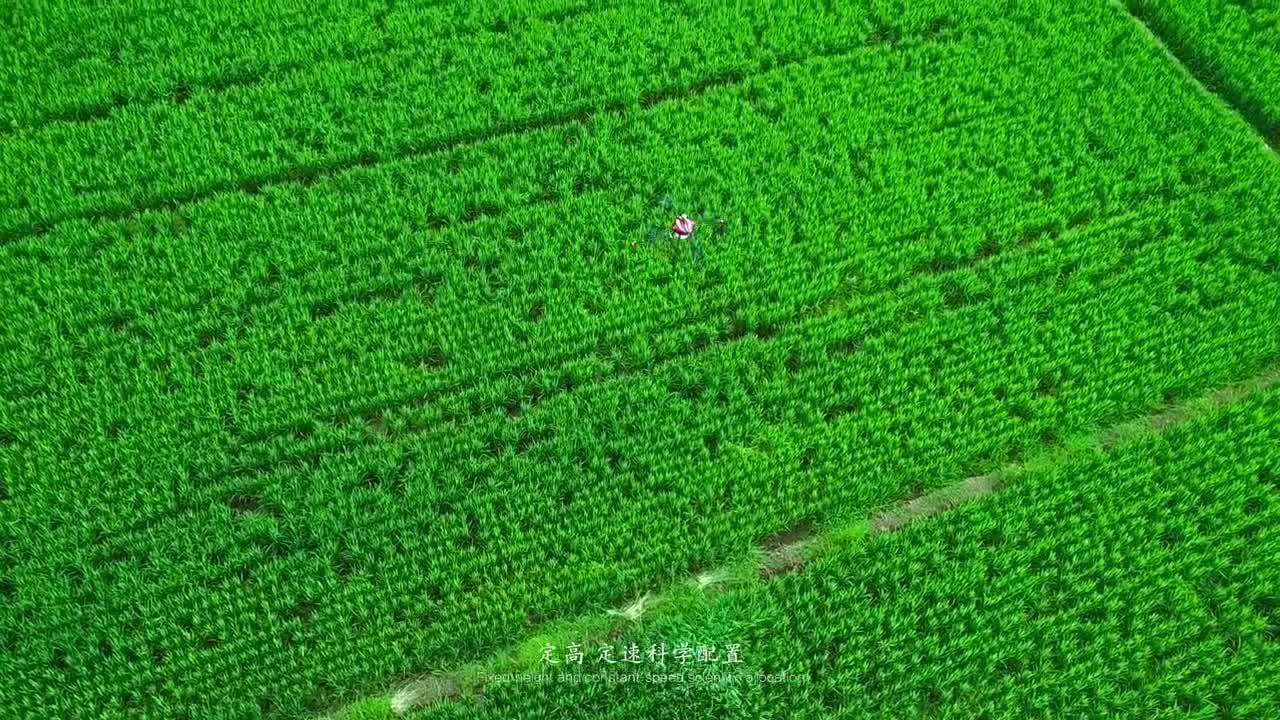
354	362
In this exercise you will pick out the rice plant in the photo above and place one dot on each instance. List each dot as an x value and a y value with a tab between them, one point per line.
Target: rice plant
347	347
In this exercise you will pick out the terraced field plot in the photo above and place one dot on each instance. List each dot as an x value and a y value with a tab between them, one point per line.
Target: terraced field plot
339	354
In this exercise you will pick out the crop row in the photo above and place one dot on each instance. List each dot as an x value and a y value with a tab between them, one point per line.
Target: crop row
504	396
719	486
230	530
1232	48
473	187
129	384
509	398
607	162
133	322
106	60
115	317
1136	584
610	363
399	105
368	372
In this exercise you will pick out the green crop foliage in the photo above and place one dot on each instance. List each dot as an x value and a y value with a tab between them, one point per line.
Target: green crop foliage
336	347
1140	582
1231	47
372	709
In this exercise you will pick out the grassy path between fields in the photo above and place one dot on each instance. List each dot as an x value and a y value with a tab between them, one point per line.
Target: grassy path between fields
785	553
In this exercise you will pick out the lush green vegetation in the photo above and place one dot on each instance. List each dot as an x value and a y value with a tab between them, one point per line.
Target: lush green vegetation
347	368
1233	47
469	82
1138	583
